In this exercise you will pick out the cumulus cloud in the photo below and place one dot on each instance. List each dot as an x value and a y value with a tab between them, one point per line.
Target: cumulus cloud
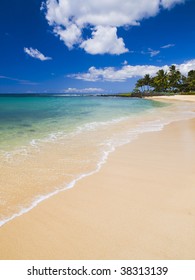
104	40
83	90
112	74
71	35
36	54
116	75
101	18
187	66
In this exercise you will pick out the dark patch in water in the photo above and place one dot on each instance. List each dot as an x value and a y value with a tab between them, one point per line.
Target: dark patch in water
20	132
85	113
26	125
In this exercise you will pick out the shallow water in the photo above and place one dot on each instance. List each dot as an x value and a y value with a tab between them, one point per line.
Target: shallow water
24	119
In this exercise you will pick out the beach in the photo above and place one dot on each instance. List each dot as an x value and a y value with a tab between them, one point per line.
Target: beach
139	205
190	98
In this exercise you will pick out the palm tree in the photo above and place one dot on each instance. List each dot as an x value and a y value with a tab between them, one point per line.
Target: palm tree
191	80
147	81
183	86
161	81
174	78
140	84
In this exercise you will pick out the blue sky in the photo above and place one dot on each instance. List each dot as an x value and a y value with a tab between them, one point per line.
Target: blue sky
100	46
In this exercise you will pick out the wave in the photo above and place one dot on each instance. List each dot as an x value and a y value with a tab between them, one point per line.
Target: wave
59	135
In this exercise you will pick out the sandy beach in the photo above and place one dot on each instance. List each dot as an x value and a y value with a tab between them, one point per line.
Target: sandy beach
190	98
140	205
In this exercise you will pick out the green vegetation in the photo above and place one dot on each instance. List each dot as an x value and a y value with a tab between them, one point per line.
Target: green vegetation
125	94
166	83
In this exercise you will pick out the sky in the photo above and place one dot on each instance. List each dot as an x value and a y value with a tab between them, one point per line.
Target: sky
87	46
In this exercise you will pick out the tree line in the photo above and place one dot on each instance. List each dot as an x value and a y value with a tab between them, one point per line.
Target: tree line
167	81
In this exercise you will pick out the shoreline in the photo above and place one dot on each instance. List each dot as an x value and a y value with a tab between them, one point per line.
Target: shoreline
115	213
54	156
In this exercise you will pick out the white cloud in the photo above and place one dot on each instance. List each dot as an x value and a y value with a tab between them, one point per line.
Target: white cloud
185	67
116	75
83	90
22	82
70	19
42	8
128	71
125	62
153	52
104	40
36	54
70	36
167	4
168	46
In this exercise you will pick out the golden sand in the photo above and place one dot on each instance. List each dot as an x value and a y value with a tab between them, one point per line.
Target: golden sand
140	205
175	97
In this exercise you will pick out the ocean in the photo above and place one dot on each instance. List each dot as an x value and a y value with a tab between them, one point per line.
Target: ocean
48	143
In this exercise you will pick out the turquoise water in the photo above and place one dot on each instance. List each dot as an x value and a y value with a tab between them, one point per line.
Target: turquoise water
26	119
